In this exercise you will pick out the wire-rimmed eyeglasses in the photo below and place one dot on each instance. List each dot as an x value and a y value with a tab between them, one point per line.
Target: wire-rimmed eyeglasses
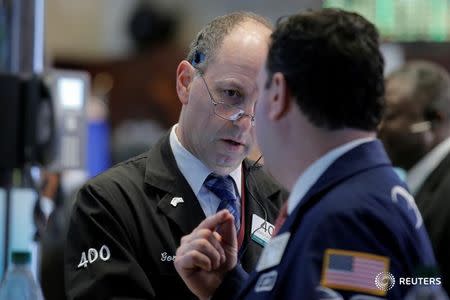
227	111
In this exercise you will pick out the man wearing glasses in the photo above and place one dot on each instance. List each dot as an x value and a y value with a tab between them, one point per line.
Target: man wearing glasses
127	223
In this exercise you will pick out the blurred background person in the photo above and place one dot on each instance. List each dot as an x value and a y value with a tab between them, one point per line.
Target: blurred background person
50	223
50	197
51	213
416	134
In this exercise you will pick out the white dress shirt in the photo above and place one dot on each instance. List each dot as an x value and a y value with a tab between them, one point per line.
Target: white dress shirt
196	172
424	167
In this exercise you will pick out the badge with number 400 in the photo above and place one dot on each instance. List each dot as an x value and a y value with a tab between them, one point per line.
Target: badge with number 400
92	255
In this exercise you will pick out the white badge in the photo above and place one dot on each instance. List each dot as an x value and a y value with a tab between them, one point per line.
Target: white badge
261	230
273	252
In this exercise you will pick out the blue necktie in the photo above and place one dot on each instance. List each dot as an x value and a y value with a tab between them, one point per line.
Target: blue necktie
224	189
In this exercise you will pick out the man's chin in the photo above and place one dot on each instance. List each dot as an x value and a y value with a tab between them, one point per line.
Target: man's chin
226	164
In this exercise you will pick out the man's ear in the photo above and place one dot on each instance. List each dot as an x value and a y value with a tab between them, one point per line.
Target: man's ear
280	98
185	74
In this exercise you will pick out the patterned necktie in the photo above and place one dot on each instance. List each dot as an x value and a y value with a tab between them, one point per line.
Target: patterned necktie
224	189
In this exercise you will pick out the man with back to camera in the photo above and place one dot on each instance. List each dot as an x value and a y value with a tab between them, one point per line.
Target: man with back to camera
416	134
127	223
349	218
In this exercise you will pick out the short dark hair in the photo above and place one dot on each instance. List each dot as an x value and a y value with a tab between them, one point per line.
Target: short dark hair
430	84
333	67
203	48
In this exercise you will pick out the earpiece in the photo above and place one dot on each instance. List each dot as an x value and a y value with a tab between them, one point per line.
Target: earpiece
199	57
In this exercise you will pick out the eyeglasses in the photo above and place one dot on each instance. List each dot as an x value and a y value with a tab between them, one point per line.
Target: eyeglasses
227	111
420	127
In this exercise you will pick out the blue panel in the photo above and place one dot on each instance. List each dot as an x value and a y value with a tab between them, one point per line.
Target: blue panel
341	262
98	147
22	228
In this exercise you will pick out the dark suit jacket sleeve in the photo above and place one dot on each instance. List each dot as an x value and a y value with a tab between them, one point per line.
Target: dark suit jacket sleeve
110	269
436	213
232	284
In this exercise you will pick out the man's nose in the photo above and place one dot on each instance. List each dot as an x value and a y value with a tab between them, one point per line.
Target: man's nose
245	121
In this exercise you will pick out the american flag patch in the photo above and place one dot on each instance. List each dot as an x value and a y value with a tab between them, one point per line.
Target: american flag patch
353	271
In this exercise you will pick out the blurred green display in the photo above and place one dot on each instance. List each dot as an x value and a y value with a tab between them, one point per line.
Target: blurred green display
403	20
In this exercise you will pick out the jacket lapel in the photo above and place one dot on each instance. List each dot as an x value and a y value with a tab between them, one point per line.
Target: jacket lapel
262	198
260	187
162	172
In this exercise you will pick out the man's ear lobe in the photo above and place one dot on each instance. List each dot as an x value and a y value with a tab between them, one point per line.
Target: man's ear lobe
280	97
185	74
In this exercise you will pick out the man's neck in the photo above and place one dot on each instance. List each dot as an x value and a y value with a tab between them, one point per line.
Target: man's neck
306	151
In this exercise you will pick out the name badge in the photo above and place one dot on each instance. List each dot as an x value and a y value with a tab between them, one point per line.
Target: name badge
261	230
273	252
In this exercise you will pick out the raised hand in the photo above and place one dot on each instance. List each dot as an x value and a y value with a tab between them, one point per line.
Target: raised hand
207	254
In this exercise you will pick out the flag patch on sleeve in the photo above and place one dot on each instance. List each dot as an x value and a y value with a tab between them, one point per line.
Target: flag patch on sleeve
353	271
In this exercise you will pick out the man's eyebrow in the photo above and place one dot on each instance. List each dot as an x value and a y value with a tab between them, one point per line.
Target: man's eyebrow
230	81
237	84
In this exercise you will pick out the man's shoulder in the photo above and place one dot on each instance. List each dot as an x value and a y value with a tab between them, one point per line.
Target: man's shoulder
385	215
431	197
372	183
374	196
134	168
123	173
438	182
119	188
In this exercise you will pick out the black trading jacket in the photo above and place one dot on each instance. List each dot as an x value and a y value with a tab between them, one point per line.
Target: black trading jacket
124	230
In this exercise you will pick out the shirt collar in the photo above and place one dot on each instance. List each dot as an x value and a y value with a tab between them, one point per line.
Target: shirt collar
306	180
424	167
194	170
